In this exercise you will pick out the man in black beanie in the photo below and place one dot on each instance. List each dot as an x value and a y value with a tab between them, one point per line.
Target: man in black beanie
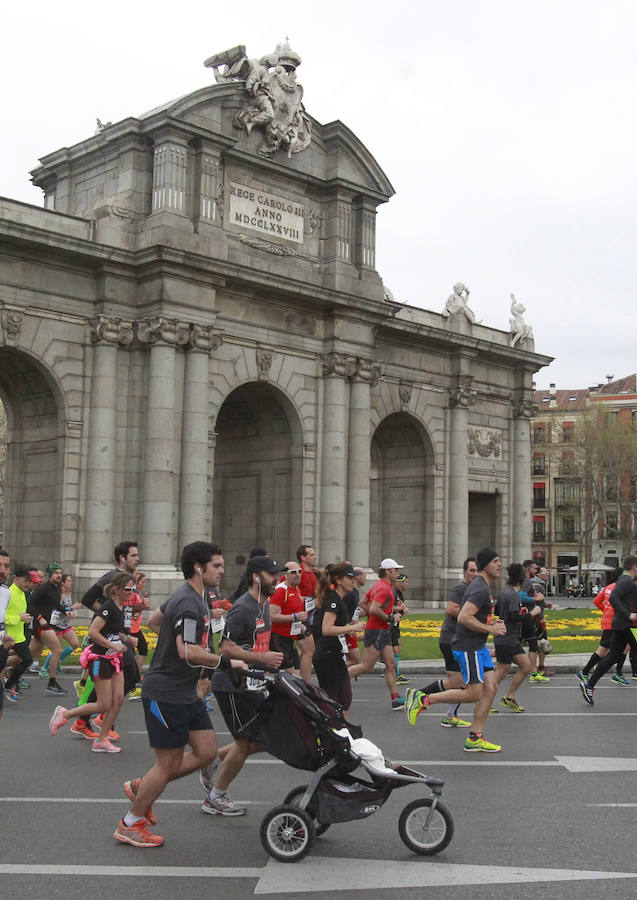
470	651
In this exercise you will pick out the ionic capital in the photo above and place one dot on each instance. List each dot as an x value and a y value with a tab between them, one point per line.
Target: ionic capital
111	330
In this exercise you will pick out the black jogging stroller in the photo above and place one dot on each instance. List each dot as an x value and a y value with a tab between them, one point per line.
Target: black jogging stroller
300	725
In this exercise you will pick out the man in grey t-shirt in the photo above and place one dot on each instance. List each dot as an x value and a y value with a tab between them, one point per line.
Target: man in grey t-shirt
469	649
175	715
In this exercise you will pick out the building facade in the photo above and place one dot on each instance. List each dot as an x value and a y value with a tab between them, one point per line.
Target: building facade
569	527
196	343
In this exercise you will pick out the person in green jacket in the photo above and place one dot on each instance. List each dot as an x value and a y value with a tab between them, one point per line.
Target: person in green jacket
15	620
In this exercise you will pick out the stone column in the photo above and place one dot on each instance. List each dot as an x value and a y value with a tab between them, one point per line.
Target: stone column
106	334
359	464
461	399
162	433
523	412
333	519
194	514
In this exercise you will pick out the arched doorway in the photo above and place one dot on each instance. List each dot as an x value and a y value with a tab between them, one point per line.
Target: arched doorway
258	476
32	527
401	494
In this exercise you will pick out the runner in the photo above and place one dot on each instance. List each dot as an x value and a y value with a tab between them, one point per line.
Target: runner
331	625
61	620
470	651
104	656
288	615
508	648
377	630
623	599
16	618
6	641
45	606
306	557
402	583
602	602
175	715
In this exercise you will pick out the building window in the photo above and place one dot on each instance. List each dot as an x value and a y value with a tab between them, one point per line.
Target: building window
539	528
567	528
611	491
611	526
539	433
568	432
539	495
566	493
567	464
539	464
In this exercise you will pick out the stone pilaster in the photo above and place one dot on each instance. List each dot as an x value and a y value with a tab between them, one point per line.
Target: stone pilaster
359	465
194	509
107	334
170	174
162	433
523	411
461	398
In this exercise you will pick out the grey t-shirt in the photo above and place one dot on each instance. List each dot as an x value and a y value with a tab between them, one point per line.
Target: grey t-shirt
170	678
248	626
509	611
478	593
448	630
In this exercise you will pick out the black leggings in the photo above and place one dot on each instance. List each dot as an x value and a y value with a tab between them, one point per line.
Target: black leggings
618	642
22	650
333	677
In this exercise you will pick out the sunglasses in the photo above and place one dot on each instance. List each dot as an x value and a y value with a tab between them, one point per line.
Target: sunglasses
130	587
294	571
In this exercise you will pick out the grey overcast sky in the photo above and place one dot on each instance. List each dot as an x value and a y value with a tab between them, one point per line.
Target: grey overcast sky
507	127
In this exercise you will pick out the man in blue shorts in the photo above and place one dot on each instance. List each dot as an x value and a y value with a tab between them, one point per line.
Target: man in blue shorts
470	651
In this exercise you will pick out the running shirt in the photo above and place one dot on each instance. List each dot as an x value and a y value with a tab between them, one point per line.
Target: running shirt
171	678
382	593
328	645
45	603
509	612
290	601
623	599
307	588
602	602
113	624
479	594
448	630
17	605
248	626
96	592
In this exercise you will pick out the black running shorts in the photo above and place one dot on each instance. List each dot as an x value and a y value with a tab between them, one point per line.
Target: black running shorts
169	724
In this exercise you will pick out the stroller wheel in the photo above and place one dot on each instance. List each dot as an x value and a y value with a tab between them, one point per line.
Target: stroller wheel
287	833
414	832
294	795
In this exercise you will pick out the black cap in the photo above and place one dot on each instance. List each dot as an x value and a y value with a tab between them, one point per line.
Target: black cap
485	556
264	564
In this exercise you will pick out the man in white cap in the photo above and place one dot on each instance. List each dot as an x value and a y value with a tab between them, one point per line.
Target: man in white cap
381	600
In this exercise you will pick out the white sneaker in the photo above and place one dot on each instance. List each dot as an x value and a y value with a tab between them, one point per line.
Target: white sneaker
222	806
34	667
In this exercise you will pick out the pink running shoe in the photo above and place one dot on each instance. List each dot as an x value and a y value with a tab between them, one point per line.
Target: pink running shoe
57	720
105	747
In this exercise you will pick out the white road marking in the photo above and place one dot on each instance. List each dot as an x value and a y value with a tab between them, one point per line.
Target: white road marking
621	805
578	764
315	874
119	800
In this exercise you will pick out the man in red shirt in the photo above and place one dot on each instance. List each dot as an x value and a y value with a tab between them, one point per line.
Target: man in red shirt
306	556
377	631
287	615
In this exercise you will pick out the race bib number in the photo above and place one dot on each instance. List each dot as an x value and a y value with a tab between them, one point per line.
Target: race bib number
218	624
309	604
128	616
343	642
295	628
254	684
113	638
58	619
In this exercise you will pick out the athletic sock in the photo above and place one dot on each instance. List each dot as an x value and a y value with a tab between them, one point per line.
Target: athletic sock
66	652
214	793
51	681
397	661
591	663
394	696
452	712
474	735
130	819
620	664
434	688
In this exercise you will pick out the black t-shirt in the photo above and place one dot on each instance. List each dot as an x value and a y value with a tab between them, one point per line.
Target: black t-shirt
508	608
351	601
248	626
96	592
113	624
448	630
479	594
324	644
623	599
45	599
170	678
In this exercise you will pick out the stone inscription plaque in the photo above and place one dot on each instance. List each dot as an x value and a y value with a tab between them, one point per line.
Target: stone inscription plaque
268	214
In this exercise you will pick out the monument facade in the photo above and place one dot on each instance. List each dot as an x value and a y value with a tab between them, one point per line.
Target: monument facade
195	341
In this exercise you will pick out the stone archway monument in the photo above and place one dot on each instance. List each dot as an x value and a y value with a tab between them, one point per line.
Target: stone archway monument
219	252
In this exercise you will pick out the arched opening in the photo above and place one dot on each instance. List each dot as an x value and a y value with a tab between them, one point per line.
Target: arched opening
258	476
401	497
33	460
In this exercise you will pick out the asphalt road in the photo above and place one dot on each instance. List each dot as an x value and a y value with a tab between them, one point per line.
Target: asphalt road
551	816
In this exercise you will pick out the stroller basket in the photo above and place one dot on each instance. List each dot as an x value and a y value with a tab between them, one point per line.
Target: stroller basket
346	799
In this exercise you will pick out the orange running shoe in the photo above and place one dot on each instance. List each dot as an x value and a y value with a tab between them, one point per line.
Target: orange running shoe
130	789
137	835
82	728
112	735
